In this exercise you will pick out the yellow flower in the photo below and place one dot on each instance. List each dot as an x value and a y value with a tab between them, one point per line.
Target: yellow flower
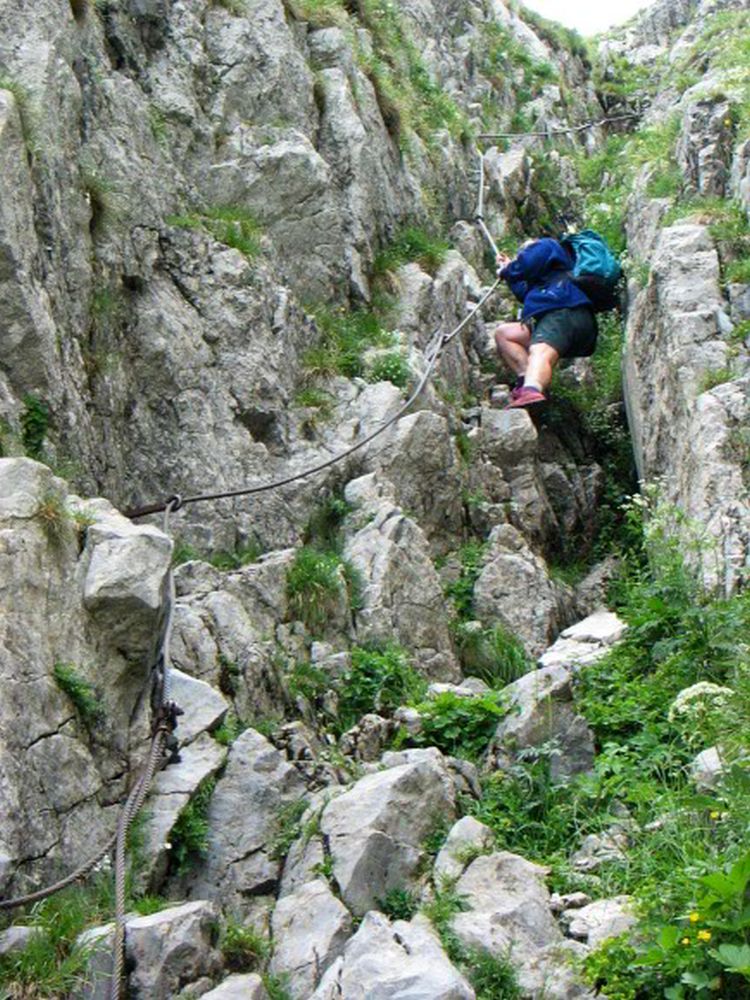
694	917
685	941
704	935
714	814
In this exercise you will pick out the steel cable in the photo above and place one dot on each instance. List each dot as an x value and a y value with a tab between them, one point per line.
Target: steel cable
286	480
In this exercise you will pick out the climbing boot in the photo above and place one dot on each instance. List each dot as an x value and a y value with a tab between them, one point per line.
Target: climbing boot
525	396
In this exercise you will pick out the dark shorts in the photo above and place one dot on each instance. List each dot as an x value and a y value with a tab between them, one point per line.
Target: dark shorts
572	332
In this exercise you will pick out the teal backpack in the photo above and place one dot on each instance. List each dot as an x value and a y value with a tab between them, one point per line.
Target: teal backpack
597	271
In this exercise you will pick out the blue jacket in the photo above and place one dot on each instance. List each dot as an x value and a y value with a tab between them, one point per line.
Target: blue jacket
539	277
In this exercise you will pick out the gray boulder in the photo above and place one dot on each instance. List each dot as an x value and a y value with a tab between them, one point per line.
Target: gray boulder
509	914
466	837
242	817
392	961
374	831
402	598
239	987
171	948
310	927
595	923
515	589
541	711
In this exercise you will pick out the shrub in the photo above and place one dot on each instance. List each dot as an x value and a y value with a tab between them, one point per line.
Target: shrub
314	587
83	695
379	680
399	904
391	367
494	654
461	591
56	520
461	727
35	420
287	828
344	337
243	948
189	836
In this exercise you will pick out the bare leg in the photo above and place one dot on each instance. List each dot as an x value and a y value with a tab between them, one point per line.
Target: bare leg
542	360
512	341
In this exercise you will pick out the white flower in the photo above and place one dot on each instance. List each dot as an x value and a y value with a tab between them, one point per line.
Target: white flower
698	699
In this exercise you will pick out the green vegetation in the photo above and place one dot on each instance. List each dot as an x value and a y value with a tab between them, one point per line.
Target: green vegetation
277	987
412	245
229	730
493	654
287	828
392	367
189	837
410	100
399	904
26	112
52	964
35	421
713	377
82	694
323	529
344	337
233	226
56	520
510	67
379	680
597	409
317	399
243	948
555	34
492	978
686	862
222	559
459	726
315	584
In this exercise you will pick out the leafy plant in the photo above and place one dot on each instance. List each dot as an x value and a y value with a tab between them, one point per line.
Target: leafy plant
229	730
461	591
51	964
287	828
461	727
494	654
391	367
344	337
55	518
323	529
189	836
399	904
379	680
83	695
35	421
233	226
243	948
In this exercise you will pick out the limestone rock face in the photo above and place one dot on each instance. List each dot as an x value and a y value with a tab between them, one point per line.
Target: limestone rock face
686	433
509	913
401	597
515	590
541	710
91	612
373	832
387	960
310	927
242	817
171	948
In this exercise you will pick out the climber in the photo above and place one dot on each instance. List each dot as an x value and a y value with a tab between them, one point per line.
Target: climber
557	320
